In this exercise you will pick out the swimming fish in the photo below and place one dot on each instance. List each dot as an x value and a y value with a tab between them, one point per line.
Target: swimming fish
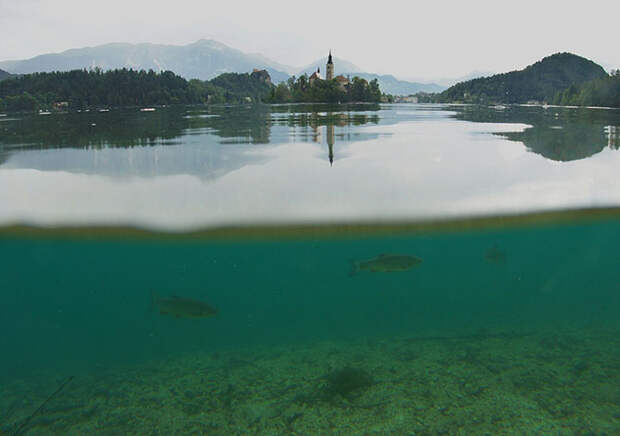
181	307
495	255
385	263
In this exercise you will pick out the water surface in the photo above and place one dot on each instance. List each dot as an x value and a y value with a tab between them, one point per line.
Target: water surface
180	168
509	325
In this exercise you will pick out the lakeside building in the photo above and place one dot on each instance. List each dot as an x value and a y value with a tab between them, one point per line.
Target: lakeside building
405	99
343	82
315	76
329	68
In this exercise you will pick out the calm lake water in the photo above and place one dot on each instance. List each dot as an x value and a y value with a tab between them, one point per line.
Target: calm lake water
509	323
187	168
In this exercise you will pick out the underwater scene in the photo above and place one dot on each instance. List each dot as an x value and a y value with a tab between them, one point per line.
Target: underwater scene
310	270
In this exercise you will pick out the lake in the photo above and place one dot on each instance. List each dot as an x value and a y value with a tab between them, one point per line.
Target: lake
376	269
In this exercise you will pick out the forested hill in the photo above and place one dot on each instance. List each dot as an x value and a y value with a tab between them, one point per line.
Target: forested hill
538	82
85	89
599	92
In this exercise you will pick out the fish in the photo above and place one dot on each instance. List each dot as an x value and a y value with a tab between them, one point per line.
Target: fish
495	255
385	262
182	307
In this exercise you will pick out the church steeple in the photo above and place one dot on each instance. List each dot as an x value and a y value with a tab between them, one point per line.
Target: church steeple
329	73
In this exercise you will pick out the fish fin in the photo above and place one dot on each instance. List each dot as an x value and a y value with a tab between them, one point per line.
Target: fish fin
354	267
154	300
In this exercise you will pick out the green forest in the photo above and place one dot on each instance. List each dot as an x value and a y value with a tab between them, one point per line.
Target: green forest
599	92
82	89
540	82
125	87
301	90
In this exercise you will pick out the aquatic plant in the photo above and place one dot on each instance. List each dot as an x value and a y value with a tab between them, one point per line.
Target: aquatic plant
29	418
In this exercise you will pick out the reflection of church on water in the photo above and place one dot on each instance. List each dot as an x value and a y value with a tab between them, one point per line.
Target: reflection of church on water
612	137
323	128
330	136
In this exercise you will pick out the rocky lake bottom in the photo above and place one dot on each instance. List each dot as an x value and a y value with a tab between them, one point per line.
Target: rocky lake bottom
560	382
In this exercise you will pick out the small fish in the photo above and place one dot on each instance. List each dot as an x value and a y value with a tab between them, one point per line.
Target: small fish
495	255
385	263
181	307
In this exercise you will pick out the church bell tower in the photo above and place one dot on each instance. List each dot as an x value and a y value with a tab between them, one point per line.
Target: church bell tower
329	70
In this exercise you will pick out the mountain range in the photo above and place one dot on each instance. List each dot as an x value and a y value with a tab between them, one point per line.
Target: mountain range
4	75
388	83
204	59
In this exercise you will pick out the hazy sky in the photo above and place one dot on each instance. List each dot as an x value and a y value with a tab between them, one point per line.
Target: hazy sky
431	39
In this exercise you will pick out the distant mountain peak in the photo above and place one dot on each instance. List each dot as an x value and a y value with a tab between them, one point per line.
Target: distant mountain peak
4	75
203	59
211	43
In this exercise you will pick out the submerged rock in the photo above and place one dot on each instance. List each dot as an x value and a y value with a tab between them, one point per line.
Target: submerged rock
347	380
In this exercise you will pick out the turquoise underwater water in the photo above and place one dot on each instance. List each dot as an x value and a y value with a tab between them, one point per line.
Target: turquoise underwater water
79	304
508	326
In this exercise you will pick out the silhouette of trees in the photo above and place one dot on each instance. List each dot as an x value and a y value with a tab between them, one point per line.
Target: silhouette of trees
83	89
600	92
300	90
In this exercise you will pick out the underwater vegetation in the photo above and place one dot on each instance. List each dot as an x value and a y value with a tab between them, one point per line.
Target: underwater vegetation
23	426
551	382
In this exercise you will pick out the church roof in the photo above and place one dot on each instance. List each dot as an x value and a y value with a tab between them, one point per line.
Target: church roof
329	59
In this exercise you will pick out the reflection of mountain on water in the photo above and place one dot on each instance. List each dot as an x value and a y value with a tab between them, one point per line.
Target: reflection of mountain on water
194	159
4	156
561	143
202	141
560	134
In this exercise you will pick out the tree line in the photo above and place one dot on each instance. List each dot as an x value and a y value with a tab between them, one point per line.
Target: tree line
600	92
302	90
83	89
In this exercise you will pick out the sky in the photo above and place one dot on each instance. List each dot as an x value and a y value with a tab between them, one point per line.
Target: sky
410	39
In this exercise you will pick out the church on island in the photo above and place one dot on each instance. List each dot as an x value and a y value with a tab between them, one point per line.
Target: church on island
343	82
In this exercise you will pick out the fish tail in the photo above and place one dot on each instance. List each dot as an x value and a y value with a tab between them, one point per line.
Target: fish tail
154	300
354	267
